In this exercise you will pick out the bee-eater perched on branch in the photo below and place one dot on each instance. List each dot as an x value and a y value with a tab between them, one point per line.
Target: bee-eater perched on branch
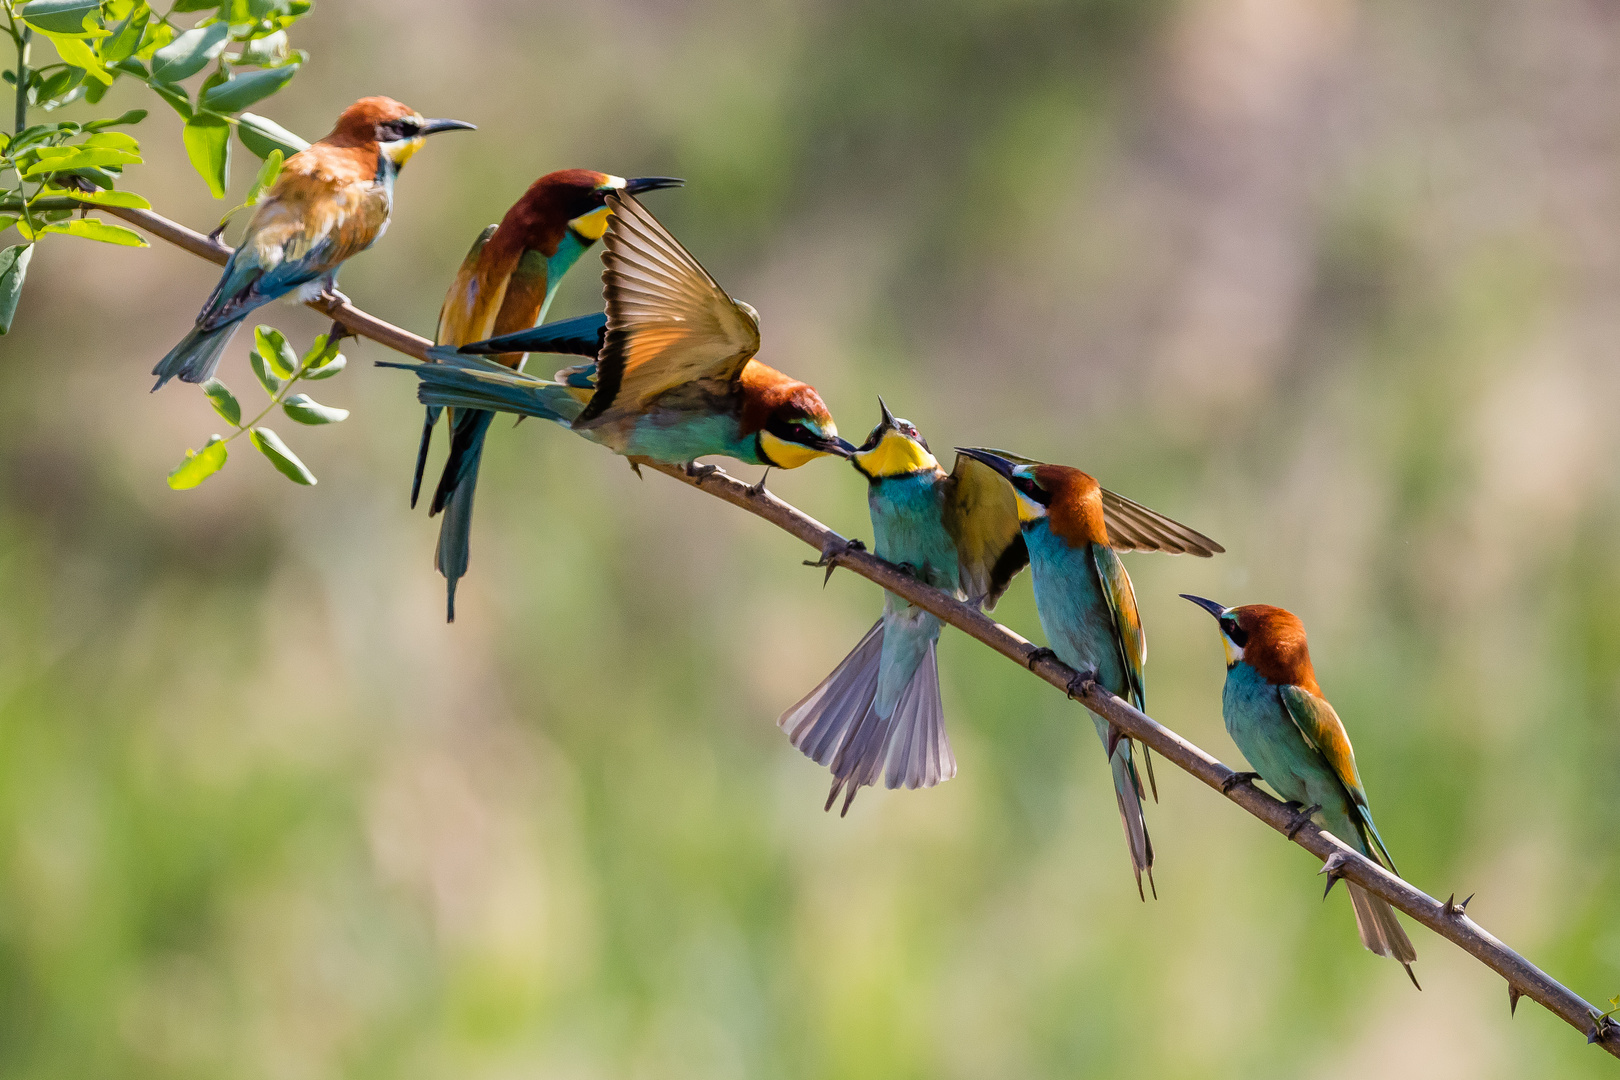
1276	713
330	201
1085	601
506	284
675	378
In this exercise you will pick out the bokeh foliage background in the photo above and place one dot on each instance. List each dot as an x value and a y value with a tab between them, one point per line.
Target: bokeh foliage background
1333	281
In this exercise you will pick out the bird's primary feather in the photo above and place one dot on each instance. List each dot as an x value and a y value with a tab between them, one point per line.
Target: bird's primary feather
668	321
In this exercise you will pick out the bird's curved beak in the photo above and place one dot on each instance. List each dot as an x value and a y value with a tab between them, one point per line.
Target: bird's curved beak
639	184
826	444
433	127
1208	605
986	457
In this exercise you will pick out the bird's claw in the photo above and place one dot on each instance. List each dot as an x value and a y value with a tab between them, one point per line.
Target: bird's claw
699	472
1302	817
1077	685
835	549
1234	779
1334	869
1035	656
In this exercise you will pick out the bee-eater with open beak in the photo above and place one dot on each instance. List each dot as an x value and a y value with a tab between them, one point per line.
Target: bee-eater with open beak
330	201
1086	605
1276	713
878	713
506	284
675	378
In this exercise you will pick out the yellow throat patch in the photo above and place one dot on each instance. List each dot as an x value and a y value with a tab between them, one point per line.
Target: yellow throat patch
591	226
787	455
895	455
401	152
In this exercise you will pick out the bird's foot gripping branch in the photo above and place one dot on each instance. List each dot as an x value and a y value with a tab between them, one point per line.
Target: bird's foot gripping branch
1449	920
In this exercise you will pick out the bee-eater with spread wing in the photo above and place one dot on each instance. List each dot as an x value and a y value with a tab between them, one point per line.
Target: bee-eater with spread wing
330	201
676	378
1276	713
1085	601
505	284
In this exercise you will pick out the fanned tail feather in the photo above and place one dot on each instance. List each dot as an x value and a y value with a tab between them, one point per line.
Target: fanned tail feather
836	725
197	356
464	382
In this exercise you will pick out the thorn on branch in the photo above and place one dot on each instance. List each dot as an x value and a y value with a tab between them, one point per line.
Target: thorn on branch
1334	869
836	549
1453	910
1514	994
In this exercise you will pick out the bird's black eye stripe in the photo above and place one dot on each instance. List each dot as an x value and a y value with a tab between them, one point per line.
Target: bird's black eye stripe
1238	635
394	130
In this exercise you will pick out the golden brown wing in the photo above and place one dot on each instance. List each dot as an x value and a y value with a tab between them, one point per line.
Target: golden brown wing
466	309
1133	527
668	322
981	515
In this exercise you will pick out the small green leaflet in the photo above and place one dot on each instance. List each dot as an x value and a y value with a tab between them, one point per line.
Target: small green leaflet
92	229
306	410
199	465
13	269
208	144
223	401
285	461
272	345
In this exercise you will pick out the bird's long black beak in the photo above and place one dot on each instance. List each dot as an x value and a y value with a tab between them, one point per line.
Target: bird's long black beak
433	127
652	183
995	461
1208	605
827	444
888	417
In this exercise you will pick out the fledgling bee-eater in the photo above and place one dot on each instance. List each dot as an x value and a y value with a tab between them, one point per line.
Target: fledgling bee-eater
878	713
505	284
330	201
1087	607
675	379
1278	717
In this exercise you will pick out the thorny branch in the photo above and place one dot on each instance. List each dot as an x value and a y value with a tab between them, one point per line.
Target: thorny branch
1449	919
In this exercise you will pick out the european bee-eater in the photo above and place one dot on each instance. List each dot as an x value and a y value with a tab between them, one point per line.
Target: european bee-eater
675	378
506	283
1087	607
879	712
1276	713
329	202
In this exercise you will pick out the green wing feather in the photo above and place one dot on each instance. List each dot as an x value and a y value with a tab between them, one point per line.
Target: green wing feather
1324	731
981	515
1121	598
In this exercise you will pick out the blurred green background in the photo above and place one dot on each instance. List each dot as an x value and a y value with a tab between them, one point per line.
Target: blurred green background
1332	281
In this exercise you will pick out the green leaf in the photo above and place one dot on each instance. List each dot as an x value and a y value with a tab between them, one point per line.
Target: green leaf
306	410
328	369
134	116
267	176
196	5
240	91
176	97
223	401
7	221
111	198
113	140
91	229
272	345
59	16
271	446
190	52
77	52
60	158
126	38
261	371
262	136
269	50
208	144
13	269
199	465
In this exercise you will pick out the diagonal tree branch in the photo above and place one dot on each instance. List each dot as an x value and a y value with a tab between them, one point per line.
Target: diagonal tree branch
1448	919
